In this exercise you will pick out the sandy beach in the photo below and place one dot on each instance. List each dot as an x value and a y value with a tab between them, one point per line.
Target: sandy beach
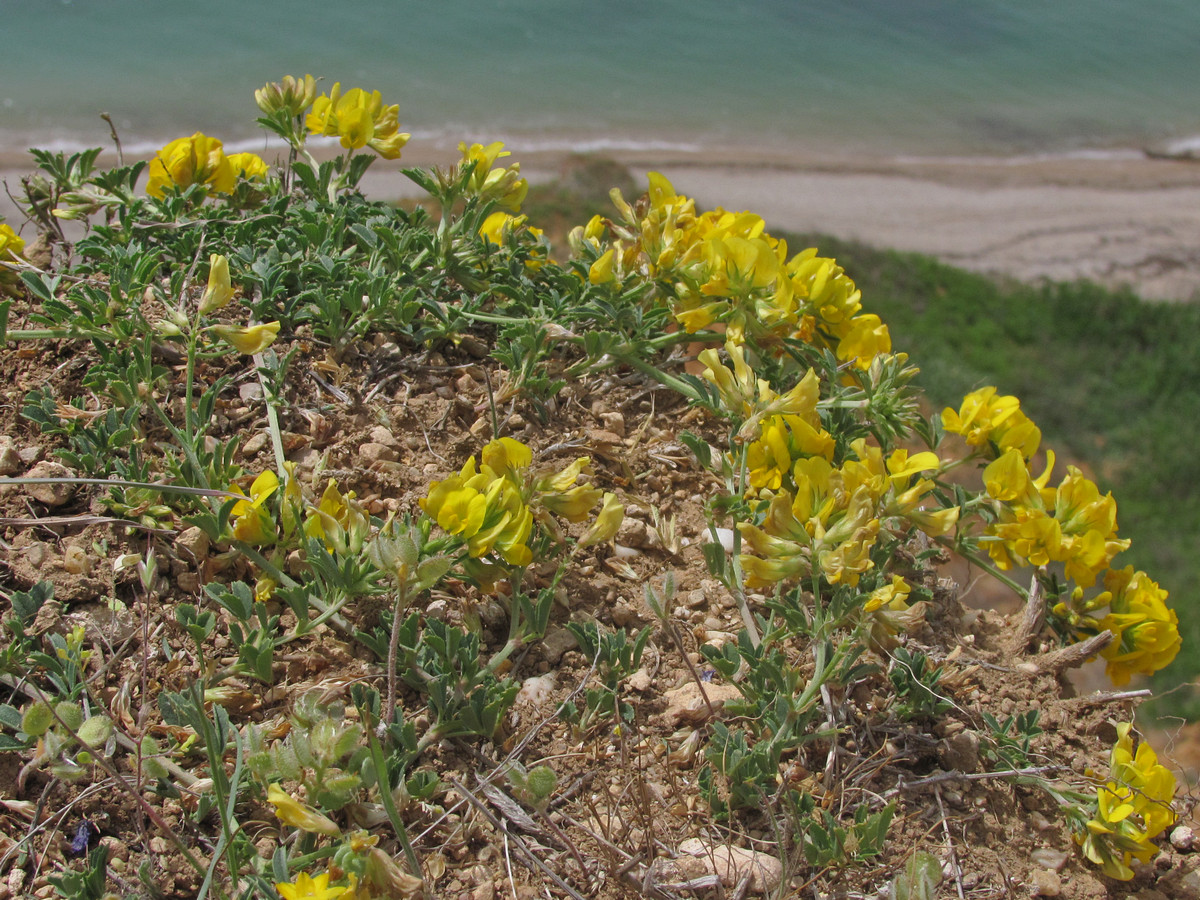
1119	219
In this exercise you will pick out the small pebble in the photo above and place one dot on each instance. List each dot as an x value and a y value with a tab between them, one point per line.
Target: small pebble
1183	839
54	494
194	544
255	445
250	392
372	452
1046	883
10	460
381	435
1049	858
614	422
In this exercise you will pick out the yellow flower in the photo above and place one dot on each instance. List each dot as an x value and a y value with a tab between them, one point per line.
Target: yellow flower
984	417
306	888
486	507
220	290
752	399
739	266
198	159
291	94
250	339
11	244
1071	524
608	522
1146	629
602	270
499	228
505	456
1089	527
1007	477
739	389
292	812
506	526
866	338
783	441
359	119
248	165
336	518
251	522
457	504
504	185
495	506
889	614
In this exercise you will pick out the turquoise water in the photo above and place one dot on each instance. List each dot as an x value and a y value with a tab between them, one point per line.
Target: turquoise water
927	77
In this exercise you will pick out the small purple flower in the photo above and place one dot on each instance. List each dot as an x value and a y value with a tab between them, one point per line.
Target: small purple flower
84	835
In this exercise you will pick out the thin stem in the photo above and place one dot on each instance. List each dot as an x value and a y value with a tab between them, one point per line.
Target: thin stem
675	384
389	802
393	648
973	557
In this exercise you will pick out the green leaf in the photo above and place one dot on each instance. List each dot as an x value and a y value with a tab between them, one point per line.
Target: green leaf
26	604
920	879
40	286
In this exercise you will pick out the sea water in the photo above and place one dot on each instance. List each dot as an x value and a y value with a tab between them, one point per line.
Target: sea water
902	77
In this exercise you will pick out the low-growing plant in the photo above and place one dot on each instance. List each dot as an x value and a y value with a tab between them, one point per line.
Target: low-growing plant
828	843
834	497
613	657
916	685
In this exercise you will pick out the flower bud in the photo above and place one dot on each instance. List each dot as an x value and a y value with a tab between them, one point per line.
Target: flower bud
291	95
220	290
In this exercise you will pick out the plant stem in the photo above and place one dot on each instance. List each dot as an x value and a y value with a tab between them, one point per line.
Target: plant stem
974	558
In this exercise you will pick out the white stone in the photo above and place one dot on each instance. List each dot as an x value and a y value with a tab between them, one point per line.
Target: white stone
730	864
1183	838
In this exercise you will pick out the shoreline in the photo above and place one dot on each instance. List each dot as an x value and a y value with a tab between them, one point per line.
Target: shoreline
1117	217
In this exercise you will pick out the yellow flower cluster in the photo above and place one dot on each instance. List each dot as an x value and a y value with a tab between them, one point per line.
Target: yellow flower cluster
897	486
500	227
888	614
1133	808
1146	629
336	518
489	181
359	119
986	420
721	267
1037	524
493	505
817	516
822	527
831	518
779	428
200	159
